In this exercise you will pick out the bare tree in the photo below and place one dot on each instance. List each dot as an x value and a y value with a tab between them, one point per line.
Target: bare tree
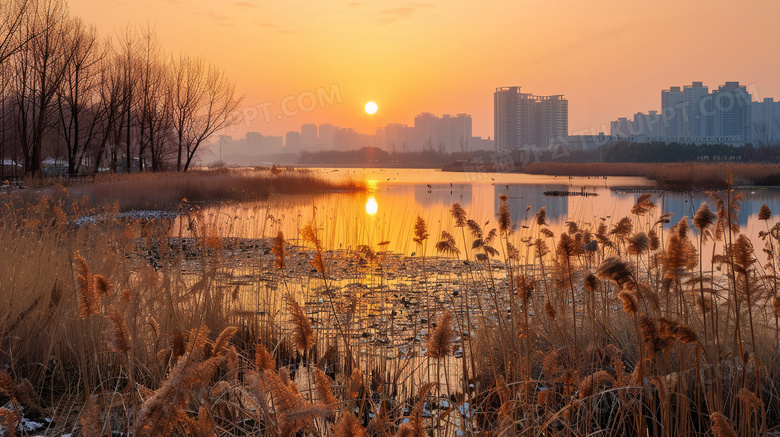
39	69
154	103
127	51
78	98
12	13
763	134
204	102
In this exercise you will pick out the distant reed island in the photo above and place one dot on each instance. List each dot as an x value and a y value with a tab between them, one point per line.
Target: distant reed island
681	176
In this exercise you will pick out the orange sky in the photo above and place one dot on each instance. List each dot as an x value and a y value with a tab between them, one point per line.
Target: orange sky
609	58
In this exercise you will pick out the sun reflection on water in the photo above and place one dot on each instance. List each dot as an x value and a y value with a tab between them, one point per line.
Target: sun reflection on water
371	206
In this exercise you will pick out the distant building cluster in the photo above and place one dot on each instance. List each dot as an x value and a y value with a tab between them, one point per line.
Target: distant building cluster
447	134
523	120
694	114
442	134
253	144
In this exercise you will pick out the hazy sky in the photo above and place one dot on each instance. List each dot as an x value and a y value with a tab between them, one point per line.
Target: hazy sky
609	58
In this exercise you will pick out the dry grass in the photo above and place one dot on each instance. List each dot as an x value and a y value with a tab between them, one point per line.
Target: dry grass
166	190
700	175
621	337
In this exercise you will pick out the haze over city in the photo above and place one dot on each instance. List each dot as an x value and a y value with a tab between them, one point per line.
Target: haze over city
610	59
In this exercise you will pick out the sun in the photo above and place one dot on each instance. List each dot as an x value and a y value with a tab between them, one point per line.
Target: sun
371	107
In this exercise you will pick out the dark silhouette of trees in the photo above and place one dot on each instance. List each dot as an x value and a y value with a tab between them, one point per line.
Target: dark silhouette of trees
97	103
204	102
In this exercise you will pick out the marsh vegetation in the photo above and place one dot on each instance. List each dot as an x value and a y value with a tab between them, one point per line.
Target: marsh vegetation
620	326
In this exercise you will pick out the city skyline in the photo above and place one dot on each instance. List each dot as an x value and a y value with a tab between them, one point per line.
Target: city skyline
596	53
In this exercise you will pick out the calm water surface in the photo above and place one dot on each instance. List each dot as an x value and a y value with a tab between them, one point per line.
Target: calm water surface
397	196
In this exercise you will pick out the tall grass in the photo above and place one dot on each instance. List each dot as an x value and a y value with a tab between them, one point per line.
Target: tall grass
166	190
624	329
669	175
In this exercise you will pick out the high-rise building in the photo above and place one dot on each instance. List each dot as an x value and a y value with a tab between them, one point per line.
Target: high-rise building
292	142
732	111
650	124
524	120
325	137
505	120
460	131
673	111
309	137
695	119
348	139
396	137
766	122
693	114
426	131
443	134
554	120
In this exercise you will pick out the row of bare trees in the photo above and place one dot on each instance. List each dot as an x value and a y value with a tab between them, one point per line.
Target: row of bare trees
118	103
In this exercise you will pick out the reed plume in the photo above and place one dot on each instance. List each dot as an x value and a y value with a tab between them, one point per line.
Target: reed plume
309	234
459	214
10	420
655	241
540	248
615	269
102	285
88	298
279	251
643	204
302	334
541	216
653	340
263	359
447	244
679	331
679	256
750	399
222	342
324	393
764	213
348	426
474	228
158	414
355	384
420	231
512	252
439	341
119	341
638	243
704	218
622	228
721	426
414	427
629	300
742	255
592	382
504	217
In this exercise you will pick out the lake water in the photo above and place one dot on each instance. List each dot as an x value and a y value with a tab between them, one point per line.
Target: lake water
399	295
387	212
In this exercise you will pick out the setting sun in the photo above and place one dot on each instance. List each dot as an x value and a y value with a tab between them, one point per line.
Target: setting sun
371	107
